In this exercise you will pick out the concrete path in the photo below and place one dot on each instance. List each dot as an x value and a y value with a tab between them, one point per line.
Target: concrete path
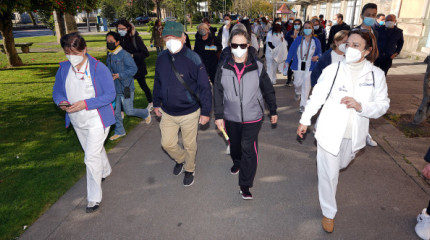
142	199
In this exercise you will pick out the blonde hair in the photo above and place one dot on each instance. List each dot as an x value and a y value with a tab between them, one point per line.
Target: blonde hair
202	25
338	37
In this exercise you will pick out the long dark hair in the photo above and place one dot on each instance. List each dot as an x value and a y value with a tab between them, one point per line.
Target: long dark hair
156	23
370	40
276	28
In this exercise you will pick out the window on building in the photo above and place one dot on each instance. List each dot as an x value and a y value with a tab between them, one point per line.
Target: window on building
335	9
314	10
323	8
350	9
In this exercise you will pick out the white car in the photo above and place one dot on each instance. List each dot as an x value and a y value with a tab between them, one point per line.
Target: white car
169	19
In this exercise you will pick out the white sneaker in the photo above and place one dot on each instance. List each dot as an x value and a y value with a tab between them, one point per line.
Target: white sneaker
228	150
150	107
423	226
116	136
370	141
148	119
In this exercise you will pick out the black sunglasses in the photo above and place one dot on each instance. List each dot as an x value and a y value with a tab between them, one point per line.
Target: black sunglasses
235	45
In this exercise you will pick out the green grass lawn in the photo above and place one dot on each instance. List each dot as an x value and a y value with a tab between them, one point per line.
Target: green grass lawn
39	158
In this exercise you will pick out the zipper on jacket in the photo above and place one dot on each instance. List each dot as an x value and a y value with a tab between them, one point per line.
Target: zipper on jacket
240	97
234	85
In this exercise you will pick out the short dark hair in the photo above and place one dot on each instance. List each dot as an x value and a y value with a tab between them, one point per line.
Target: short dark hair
370	40
73	41
380	15
369	6
226	15
115	35
339	15
206	20
321	16
239	32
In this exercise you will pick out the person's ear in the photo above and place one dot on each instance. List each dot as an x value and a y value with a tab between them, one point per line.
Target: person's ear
368	51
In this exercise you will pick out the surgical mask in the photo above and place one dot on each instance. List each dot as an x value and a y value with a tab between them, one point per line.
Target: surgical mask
122	32
352	55
297	27
390	24
307	32
368	21
227	22
291	21
381	23
111	46
239	52
316	27
279	23
203	32
342	47
173	45
75	59
334	22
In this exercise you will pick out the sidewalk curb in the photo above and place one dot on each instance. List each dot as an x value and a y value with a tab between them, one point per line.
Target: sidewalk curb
76	195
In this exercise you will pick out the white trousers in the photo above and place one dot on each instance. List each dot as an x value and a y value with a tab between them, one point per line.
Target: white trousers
96	160
272	67
328	167
302	85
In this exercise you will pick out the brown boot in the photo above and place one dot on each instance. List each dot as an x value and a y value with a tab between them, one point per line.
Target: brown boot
327	224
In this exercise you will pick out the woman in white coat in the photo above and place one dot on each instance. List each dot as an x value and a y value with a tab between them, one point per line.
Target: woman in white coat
352	91
274	39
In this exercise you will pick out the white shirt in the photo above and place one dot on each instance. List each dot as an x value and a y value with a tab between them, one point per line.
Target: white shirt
304	51
335	58
78	89
225	35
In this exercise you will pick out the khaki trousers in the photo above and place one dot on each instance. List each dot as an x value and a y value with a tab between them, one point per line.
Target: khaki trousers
188	124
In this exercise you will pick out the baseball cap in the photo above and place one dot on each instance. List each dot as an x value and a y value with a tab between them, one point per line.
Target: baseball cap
173	29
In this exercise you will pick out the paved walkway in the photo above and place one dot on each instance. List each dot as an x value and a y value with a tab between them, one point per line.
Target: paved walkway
378	196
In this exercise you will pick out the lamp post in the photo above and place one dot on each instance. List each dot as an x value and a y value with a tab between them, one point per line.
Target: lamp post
185	17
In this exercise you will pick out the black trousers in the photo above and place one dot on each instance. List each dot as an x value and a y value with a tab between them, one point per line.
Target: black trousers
243	149
290	74
145	88
384	64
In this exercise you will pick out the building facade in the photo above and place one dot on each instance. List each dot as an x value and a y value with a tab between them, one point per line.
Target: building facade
413	16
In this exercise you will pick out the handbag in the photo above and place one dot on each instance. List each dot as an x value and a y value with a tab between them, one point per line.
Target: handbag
181	80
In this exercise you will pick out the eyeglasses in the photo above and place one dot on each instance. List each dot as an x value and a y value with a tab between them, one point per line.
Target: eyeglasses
235	45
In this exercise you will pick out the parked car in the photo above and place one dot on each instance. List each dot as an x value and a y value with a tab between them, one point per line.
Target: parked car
169	19
142	19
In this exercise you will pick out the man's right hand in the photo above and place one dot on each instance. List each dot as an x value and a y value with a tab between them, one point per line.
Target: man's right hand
219	123
157	112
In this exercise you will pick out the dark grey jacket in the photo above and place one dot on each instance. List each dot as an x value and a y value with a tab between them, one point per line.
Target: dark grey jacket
243	101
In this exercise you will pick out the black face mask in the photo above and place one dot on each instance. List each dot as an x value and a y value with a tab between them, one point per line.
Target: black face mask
110	45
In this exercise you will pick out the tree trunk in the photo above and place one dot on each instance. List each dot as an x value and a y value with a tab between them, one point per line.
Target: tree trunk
33	20
70	23
8	39
423	111
60	28
88	22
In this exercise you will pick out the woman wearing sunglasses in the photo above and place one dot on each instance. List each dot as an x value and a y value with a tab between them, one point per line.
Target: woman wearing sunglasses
352	91
241	84
304	52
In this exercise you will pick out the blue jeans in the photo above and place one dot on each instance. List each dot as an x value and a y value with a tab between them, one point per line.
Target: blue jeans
127	104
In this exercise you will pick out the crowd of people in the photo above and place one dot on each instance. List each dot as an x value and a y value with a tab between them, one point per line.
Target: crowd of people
335	70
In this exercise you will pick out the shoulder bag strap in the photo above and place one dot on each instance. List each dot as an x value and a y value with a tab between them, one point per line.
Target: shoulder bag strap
181	80
334	80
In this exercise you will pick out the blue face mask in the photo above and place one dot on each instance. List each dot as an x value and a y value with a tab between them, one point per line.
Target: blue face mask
307	31
368	21
381	23
122	32
297	27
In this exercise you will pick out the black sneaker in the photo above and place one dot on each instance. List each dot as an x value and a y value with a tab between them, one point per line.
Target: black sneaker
234	170
92	207
179	167
188	178
246	194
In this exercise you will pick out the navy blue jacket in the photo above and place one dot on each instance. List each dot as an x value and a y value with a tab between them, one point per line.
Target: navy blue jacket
170	94
289	39
390	41
322	63
320	34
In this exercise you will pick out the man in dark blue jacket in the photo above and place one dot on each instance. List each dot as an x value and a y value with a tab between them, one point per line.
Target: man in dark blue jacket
182	105
390	43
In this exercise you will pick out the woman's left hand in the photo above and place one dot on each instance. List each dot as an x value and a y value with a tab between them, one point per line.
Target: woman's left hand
77	106
315	58
351	103
274	119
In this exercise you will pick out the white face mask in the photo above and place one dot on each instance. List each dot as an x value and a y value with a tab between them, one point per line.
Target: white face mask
316	27
227	22
352	55
75	59
279	23
342	47
174	45
390	24
239	52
